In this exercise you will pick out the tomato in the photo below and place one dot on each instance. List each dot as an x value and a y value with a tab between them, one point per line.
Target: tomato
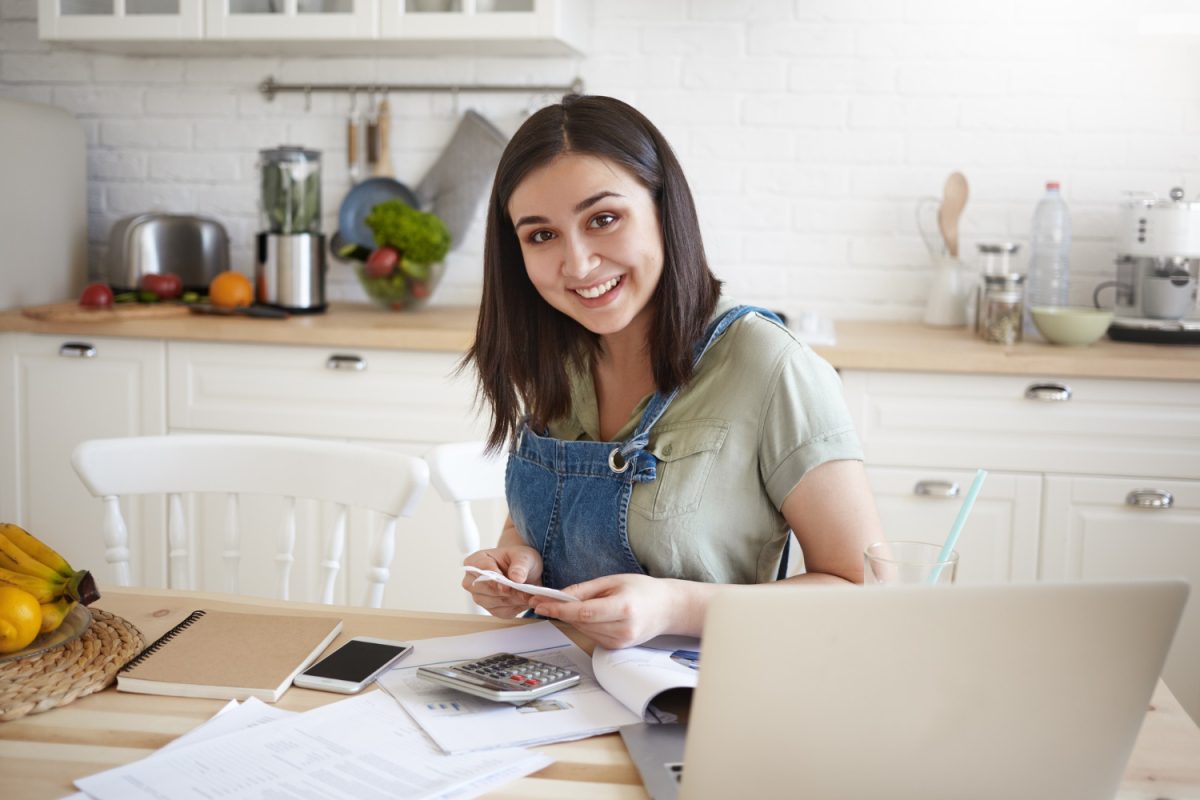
382	261
96	295
231	289
166	285
420	290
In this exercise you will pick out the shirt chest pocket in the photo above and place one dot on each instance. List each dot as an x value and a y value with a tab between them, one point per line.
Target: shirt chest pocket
686	454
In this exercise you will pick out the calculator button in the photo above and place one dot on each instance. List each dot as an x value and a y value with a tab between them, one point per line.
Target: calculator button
516	678
532	682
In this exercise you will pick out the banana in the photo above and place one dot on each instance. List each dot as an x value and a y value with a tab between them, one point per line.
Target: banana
54	613
45	591
17	560
35	548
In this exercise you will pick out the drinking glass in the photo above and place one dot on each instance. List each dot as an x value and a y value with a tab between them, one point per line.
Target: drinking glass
911	563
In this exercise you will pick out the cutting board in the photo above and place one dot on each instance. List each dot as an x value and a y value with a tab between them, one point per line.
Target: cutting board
73	312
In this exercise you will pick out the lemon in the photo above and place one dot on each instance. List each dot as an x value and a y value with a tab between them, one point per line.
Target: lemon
20	618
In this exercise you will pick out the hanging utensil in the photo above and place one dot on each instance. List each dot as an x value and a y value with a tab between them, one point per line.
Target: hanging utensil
372	137
353	140
383	128
954	199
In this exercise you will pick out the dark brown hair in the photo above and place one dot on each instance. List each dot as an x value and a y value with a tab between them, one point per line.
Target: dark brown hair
523	346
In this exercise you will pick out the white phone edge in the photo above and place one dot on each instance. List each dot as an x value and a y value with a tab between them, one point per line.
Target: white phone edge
349	687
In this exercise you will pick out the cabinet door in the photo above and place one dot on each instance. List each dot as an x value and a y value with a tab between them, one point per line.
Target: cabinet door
500	27
131	20
63	392
999	542
1091	532
292	19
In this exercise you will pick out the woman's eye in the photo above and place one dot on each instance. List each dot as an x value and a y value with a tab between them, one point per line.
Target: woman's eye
602	220
537	237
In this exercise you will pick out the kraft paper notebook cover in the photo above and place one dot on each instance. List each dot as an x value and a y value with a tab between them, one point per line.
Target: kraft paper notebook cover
226	655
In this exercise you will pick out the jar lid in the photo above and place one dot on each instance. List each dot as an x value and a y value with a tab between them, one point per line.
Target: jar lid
289	152
1012	280
1001	247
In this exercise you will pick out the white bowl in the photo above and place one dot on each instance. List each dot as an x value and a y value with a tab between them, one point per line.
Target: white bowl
1071	325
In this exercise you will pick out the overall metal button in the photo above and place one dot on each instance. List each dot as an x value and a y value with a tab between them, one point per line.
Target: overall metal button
616	461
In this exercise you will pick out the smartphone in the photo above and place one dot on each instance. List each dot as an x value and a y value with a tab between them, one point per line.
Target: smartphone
353	666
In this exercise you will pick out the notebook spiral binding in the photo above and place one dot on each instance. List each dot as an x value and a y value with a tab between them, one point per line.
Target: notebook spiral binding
162	640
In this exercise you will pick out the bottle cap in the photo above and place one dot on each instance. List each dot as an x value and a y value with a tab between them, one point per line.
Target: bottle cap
1051	184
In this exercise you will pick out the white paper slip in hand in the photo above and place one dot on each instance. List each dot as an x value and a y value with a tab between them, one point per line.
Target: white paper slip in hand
528	588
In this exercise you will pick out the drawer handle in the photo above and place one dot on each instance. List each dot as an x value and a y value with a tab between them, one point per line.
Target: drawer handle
1149	498
353	363
77	350
1048	392
936	489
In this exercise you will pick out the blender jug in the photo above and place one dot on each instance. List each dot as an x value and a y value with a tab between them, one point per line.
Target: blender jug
290	265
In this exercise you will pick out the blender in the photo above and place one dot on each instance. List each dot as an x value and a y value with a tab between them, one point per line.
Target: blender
289	270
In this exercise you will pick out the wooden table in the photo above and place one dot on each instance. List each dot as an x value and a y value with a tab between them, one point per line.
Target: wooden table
40	755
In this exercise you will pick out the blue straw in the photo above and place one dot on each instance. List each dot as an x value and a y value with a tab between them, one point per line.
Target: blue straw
959	522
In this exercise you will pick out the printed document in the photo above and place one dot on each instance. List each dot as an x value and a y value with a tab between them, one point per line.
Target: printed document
637	675
361	747
461	723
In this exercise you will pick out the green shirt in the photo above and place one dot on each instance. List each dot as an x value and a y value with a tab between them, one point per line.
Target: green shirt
762	410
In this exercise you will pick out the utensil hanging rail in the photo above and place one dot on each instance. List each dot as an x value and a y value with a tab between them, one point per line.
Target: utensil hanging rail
269	87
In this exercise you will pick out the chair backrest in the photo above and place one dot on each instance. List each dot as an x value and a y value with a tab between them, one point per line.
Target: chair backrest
463	472
347	475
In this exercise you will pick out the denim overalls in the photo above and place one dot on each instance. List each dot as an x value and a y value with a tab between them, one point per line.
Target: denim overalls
570	499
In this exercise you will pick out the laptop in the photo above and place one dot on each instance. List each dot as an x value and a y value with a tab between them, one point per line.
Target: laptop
962	693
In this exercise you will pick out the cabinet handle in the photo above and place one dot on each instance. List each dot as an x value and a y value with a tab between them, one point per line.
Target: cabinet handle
936	489
77	350
1048	392
353	363
1149	498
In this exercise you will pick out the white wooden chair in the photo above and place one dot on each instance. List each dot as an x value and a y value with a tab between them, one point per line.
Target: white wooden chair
461	473
347	475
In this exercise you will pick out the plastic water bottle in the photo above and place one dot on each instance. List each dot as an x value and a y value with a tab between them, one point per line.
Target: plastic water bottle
1049	252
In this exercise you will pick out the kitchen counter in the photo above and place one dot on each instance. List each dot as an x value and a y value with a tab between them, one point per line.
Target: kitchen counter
900	346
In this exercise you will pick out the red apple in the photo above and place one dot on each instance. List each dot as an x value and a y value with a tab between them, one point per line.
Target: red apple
167	285
96	295
382	261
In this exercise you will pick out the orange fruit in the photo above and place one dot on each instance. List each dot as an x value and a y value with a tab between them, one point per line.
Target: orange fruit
231	289
20	618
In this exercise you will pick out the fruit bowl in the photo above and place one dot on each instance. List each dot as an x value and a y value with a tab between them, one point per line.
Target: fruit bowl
1071	325
406	287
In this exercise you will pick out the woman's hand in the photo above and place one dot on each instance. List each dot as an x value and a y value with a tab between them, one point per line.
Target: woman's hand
623	610
517	562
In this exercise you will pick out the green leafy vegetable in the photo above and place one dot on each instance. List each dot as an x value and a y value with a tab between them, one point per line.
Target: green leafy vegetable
421	237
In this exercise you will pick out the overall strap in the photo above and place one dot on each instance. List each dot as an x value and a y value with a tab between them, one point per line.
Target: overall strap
659	403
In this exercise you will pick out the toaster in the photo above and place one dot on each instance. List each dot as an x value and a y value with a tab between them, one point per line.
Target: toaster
194	248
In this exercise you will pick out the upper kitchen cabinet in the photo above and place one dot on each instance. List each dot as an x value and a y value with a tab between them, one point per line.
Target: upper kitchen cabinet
108	20
320	27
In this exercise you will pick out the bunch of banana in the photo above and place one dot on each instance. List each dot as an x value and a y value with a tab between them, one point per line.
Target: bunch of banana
29	564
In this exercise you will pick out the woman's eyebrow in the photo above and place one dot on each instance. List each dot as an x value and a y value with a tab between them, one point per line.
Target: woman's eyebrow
580	206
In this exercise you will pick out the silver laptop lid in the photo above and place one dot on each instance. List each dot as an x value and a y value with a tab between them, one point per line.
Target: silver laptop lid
1031	691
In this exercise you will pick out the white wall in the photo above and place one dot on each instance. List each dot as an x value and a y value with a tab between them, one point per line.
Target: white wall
808	128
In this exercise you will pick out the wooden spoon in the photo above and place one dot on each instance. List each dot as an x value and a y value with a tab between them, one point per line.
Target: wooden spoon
954	198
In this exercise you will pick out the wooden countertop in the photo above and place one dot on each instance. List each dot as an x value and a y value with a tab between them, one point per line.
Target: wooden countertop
43	753
902	346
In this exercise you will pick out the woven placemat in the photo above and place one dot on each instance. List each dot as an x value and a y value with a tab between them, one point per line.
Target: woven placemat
78	668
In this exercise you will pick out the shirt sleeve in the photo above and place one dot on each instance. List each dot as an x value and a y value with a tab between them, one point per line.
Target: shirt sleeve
805	422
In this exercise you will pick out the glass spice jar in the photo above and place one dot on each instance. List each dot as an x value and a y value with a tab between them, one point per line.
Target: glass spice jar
1001	308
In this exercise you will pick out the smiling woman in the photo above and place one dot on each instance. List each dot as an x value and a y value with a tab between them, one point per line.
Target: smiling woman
664	440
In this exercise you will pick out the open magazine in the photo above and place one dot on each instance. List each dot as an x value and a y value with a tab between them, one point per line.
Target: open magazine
617	687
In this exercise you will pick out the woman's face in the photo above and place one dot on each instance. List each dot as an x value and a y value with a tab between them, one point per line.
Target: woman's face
590	235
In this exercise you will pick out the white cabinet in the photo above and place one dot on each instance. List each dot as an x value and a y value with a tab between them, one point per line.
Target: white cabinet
57	392
401	399
1062	455
146	20
1094	530
400	27
1000	540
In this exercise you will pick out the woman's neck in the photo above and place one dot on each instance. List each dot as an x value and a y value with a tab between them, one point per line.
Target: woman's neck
622	374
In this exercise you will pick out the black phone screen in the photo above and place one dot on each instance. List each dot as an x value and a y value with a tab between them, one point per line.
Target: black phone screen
354	661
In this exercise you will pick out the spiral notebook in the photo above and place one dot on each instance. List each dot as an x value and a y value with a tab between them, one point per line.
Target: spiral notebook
225	655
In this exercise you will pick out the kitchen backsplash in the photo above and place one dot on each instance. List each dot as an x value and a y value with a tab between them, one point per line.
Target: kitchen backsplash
809	129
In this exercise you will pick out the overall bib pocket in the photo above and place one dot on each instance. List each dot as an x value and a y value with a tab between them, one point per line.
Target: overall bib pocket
686	452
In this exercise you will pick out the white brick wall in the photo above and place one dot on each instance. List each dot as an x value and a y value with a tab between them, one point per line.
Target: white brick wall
809	128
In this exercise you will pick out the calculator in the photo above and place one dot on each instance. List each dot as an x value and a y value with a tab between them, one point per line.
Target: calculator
504	677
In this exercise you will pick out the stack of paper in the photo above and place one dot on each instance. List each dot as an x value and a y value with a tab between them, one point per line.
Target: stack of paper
365	746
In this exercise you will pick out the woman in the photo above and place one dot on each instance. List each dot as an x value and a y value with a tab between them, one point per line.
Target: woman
664	440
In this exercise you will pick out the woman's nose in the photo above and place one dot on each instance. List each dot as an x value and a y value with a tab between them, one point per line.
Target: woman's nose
578	258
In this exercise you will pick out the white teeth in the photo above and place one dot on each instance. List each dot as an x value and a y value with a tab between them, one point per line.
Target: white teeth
596	291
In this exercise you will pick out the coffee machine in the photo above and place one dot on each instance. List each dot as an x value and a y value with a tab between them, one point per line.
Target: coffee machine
290	263
1158	270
